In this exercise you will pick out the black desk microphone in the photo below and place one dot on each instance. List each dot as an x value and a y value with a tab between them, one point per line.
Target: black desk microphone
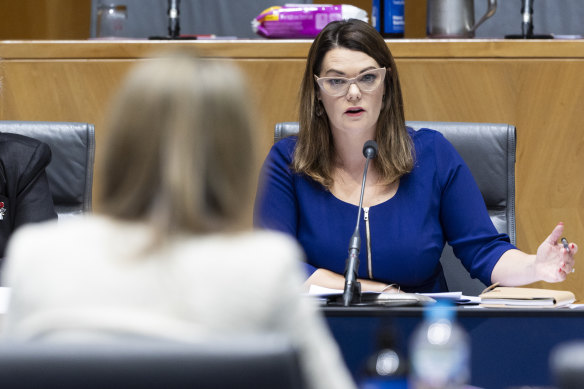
352	286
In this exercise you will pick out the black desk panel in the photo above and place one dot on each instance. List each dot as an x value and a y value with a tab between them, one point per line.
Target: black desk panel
509	347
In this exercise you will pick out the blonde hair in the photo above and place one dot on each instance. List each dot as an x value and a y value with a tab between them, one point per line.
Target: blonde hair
181	146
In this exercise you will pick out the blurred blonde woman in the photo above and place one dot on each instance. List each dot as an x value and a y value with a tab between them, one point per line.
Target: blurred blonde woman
170	253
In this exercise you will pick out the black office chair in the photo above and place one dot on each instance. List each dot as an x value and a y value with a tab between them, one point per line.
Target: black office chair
70	172
489	151
246	363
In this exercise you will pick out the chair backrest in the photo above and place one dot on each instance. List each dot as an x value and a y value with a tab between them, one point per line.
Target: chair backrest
258	362
489	151
70	172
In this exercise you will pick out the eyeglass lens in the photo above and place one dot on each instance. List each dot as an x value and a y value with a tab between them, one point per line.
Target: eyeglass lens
367	82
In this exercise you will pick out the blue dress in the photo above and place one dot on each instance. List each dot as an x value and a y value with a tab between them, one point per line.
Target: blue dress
437	202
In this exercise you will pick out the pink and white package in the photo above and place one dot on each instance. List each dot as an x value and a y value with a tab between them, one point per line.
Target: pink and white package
302	20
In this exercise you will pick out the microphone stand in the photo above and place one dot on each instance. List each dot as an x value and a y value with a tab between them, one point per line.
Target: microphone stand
173	13
173	19
352	292
352	286
527	23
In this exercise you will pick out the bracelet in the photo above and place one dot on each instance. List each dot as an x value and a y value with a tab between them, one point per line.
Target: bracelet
396	286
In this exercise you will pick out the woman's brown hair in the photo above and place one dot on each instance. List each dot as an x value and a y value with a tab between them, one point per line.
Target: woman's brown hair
181	147
314	153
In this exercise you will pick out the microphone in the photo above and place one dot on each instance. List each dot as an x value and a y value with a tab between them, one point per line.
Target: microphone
352	286
527	18
527	23
173	18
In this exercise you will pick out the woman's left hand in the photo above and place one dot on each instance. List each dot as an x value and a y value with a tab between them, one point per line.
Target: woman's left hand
553	262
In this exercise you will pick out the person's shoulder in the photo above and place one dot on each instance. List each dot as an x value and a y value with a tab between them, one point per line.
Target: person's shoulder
51	231
21	254
269	242
43	252
18	139
262	258
65	241
424	135
284	148
288	142
260	248
274	241
67	233
426	139
24	147
276	253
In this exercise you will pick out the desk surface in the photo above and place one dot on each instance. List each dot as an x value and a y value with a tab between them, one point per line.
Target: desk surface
509	347
461	312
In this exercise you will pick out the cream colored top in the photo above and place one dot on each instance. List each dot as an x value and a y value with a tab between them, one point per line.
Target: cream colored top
94	275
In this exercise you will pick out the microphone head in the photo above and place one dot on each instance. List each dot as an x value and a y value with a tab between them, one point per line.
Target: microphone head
370	149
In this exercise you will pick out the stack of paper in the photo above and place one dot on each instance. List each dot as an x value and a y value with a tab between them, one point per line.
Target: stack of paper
333	297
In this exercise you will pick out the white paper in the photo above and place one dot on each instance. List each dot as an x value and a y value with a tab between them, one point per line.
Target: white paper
455	297
316	290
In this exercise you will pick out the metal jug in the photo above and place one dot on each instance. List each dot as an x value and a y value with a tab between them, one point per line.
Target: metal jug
455	18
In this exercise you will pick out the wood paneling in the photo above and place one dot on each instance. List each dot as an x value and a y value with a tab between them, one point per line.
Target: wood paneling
415	19
540	99
534	85
45	19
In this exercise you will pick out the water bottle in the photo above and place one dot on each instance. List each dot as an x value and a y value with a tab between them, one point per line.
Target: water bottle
439	351
387	367
111	20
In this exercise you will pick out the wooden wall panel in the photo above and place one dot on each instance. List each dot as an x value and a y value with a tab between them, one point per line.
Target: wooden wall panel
536	86
76	91
72	90
415	19
45	19
541	99
274	86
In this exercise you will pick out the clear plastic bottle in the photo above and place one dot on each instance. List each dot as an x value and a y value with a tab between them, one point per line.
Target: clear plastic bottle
386	368
439	351
111	19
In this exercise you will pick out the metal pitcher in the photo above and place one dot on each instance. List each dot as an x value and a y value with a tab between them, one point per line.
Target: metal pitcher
455	18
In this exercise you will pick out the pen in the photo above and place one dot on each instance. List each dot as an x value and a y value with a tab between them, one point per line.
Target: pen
491	287
566	245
